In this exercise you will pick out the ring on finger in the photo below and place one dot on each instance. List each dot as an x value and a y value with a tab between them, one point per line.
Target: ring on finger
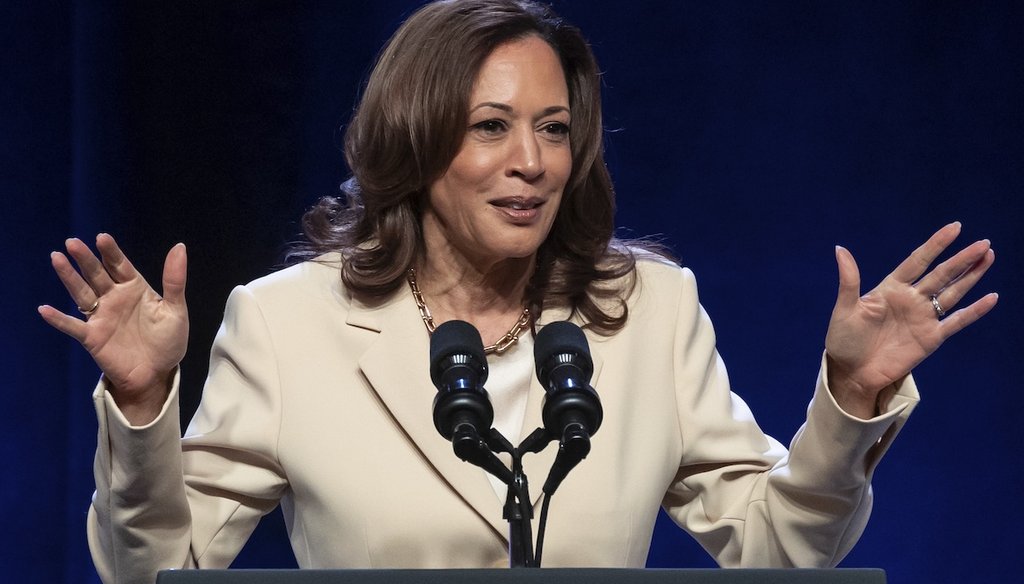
91	309
939	310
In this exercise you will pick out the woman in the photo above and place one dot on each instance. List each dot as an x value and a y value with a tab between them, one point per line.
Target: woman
480	194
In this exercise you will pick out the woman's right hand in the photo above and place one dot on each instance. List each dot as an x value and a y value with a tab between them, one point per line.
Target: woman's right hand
136	337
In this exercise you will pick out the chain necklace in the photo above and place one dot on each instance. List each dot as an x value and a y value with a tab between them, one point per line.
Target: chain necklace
500	346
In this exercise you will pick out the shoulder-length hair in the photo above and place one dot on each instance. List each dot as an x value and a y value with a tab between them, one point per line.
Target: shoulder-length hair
408	128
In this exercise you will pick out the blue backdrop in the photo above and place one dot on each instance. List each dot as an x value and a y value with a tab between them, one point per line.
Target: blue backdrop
752	135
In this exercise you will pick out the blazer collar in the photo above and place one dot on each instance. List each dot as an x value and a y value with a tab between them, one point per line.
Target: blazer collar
397	366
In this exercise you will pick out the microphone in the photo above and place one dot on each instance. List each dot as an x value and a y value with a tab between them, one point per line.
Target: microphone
462	411
572	412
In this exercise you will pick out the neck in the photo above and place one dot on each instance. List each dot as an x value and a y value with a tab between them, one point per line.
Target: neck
464	290
488	295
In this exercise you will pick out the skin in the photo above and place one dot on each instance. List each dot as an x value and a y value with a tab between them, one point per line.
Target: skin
483	222
489	213
136	336
874	340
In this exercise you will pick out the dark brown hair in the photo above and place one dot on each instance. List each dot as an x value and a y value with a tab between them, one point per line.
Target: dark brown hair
408	128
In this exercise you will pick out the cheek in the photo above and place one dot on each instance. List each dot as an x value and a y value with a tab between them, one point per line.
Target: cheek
562	164
472	168
453	189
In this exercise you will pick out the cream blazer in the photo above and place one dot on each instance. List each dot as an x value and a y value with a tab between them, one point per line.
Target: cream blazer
322	404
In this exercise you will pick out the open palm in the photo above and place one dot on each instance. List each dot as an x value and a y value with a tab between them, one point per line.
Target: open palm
136	336
875	340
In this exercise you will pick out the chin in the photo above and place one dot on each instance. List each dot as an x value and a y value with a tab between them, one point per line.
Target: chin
521	251
528	248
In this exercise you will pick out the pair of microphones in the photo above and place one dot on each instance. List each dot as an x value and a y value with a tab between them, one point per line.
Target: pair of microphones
463	413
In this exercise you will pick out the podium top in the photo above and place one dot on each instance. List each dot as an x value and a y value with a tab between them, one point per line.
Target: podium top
527	576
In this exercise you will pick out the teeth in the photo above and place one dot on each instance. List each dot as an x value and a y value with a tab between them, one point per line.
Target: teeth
521	206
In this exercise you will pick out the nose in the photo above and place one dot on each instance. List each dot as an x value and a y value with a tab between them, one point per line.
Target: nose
526	159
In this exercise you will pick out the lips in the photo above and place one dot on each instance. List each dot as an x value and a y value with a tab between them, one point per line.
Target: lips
519	210
518	203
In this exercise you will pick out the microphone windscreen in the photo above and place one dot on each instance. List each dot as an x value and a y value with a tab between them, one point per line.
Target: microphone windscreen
455	337
562	338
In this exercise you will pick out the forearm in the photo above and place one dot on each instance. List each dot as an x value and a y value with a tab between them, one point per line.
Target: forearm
140	519
818	498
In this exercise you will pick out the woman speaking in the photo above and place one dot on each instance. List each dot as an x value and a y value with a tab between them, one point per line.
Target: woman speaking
479	193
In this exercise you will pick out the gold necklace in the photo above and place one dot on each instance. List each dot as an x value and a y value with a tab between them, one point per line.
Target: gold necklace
500	346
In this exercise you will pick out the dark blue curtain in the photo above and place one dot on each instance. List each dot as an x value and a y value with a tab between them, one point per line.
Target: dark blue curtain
752	136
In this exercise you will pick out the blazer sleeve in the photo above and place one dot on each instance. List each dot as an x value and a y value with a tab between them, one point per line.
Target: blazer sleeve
746	499
163	501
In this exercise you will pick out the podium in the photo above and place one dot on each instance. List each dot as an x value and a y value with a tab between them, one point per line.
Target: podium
528	576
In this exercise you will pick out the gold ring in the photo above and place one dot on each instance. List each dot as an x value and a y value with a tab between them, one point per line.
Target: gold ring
91	309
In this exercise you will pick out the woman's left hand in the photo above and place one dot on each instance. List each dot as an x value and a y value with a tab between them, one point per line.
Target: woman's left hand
874	340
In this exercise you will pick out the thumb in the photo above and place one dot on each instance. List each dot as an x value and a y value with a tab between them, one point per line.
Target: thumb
175	268
849	279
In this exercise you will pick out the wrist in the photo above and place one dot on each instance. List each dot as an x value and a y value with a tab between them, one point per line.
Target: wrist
851	396
141	406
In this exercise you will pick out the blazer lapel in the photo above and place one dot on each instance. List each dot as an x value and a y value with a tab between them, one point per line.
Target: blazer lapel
397	367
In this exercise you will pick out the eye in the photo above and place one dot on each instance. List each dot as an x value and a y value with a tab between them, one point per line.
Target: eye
490	127
556	128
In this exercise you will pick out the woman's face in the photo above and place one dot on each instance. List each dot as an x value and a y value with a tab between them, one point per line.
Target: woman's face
499	197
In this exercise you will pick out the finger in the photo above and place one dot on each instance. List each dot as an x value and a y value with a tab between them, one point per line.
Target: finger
92	270
849	279
175	271
953	293
80	291
917	263
955	267
68	325
114	260
966	316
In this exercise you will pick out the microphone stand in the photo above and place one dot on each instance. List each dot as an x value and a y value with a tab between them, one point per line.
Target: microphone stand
518	510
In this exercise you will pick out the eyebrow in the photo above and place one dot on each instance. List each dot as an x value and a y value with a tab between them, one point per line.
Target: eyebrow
554	109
